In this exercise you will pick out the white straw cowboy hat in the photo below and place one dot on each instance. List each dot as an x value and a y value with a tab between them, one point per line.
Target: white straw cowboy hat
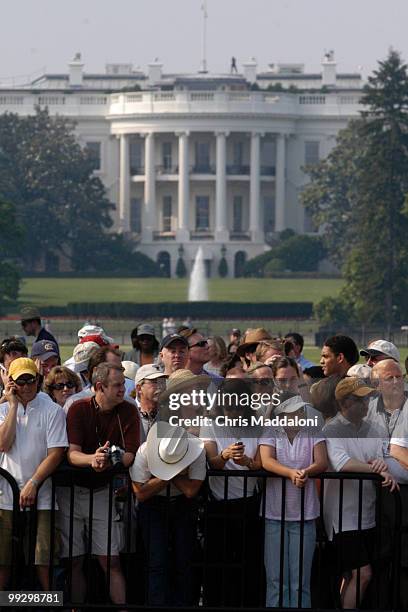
170	449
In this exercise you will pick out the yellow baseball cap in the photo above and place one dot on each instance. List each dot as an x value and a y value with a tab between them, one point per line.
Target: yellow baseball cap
22	365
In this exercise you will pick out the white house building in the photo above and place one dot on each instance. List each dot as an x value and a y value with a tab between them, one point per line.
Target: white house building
211	160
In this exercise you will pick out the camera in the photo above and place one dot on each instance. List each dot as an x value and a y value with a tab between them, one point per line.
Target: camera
115	454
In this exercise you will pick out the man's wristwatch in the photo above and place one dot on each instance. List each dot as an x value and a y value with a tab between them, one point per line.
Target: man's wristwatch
34	482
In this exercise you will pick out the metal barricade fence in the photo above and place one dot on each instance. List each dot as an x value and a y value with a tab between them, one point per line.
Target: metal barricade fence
226	561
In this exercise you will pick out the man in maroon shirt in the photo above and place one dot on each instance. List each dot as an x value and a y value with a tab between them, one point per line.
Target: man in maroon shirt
94	425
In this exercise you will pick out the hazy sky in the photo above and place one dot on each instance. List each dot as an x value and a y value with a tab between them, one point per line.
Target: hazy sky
38	34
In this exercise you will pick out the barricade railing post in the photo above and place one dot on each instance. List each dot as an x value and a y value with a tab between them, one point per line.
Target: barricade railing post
241	517
16	541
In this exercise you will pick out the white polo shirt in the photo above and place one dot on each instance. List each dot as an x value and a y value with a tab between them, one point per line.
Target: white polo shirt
39	427
344	442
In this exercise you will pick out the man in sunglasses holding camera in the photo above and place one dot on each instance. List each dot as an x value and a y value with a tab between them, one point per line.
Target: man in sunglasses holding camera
32	442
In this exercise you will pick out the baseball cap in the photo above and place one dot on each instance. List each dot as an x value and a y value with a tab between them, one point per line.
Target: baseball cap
44	349
170	338
129	369
82	354
235	331
352	385
20	366
148	372
98	339
145	329
381	347
361	370
89	329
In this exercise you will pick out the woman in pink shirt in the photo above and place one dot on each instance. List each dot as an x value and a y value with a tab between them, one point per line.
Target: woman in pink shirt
294	452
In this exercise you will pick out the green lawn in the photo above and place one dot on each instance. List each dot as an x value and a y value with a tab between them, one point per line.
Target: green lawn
60	291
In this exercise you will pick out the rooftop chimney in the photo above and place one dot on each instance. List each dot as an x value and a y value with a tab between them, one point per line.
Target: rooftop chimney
155	72
329	70
250	70
76	71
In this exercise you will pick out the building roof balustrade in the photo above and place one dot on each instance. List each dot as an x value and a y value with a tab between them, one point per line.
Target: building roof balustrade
145	103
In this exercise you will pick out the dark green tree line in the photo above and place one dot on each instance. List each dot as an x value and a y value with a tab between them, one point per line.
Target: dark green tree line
60	203
357	195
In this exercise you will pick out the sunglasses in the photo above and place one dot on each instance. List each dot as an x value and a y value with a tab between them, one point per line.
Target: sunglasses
61	386
262	382
201	344
27	381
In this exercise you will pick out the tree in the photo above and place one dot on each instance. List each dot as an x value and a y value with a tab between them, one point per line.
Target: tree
359	193
59	201
223	267
293	252
10	236
181	270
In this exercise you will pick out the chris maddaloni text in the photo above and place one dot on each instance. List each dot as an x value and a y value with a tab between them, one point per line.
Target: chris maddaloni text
254	420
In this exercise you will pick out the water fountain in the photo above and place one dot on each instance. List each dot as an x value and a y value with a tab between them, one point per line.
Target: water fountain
198	286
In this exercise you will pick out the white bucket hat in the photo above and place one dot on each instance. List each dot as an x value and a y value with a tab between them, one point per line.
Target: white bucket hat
170	449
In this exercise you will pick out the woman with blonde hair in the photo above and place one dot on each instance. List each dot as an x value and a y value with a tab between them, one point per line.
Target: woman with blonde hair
269	350
61	383
218	355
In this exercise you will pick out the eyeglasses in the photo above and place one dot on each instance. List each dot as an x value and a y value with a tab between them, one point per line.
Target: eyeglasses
61	386
263	382
201	344
27	381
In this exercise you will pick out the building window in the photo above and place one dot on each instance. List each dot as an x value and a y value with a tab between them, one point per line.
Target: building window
269	214
167	213
166	156
135	215
135	157
237	214
202	157
202	213
311	152
238	154
94	152
268	157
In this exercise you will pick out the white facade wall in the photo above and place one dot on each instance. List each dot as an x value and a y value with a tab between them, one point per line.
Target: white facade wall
220	119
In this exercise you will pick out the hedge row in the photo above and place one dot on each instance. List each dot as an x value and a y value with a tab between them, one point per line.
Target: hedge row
179	310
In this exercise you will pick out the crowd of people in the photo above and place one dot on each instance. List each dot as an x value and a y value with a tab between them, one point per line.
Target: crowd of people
104	408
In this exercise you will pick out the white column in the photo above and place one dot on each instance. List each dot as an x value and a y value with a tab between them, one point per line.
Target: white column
150	215
184	188
255	189
280	223
221	208
124	184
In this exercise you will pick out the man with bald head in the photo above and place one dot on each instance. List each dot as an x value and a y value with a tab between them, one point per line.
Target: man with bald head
388	411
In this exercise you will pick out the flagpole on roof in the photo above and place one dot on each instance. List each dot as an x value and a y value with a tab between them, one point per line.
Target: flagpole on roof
203	68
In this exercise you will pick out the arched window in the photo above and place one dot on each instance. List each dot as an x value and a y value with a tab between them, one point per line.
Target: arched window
239	263
163	259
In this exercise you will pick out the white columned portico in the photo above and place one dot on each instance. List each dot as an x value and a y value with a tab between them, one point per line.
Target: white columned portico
150	189
124	184
280	222
255	189
182	233
221	208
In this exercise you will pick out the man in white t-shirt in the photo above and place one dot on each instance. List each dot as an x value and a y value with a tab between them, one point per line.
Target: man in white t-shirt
32	441
353	445
167	474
